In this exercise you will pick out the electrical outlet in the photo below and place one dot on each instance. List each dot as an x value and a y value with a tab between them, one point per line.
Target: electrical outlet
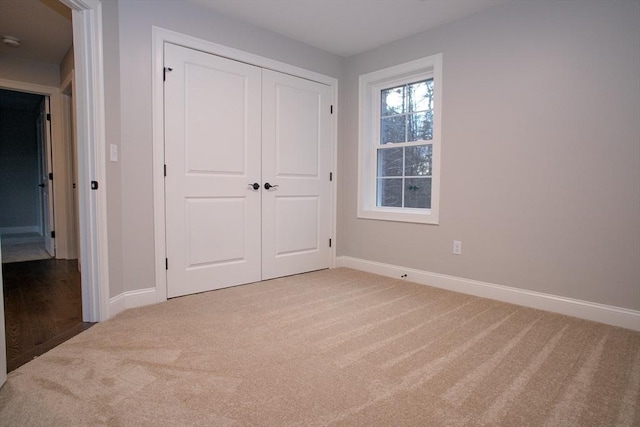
457	247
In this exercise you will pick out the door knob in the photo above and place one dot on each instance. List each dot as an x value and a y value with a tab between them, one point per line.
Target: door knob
268	186
255	185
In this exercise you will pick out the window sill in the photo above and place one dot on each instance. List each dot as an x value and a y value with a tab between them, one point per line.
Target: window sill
416	217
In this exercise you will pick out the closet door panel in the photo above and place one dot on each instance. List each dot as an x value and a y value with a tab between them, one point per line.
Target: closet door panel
212	153
296	147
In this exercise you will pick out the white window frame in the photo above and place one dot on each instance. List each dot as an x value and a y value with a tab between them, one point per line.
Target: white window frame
371	84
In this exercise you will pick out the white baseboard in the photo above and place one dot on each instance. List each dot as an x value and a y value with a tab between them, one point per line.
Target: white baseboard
132	299
20	230
610	315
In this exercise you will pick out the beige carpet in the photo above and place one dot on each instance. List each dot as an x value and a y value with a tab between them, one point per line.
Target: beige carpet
333	347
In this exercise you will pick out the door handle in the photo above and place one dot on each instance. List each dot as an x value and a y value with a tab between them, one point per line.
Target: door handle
41	185
268	186
255	185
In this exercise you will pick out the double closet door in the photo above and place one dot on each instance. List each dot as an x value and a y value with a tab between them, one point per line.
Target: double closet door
248	155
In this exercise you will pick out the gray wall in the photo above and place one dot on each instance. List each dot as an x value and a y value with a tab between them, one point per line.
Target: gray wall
540	157
129	111
19	175
111	49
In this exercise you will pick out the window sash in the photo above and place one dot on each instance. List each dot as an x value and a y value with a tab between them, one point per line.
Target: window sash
403	176
406	110
371	86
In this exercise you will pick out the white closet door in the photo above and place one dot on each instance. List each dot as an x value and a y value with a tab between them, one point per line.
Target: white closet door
212	152
296	158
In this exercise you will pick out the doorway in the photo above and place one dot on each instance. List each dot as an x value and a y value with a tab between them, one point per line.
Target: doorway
87	24
42	294
26	218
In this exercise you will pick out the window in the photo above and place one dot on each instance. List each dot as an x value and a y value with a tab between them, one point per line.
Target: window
399	152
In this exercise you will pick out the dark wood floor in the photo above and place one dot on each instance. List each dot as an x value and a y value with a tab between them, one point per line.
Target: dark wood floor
43	307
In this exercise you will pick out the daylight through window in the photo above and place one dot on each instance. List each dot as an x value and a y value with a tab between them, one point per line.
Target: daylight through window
404	158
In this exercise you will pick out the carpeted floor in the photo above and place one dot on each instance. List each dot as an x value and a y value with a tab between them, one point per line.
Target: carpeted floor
335	347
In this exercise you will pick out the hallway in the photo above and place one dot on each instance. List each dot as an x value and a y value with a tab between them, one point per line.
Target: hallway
23	247
43	307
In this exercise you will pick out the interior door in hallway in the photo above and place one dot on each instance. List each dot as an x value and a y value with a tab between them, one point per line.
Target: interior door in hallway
46	174
296	160
212	156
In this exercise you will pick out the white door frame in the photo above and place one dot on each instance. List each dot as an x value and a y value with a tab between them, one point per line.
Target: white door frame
160	36
68	114
90	132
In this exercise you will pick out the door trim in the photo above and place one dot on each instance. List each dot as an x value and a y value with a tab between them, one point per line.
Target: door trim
160	36
68	111
90	133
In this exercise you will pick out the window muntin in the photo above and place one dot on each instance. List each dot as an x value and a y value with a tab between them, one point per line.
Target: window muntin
399	151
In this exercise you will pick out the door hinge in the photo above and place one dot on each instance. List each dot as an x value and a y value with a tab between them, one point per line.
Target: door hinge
53	234
165	170
50	176
330	176
166	263
164	73
49	116
332	109
329	242
94	185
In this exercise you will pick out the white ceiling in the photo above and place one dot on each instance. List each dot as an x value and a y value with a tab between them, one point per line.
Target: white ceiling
348	27
343	27
43	27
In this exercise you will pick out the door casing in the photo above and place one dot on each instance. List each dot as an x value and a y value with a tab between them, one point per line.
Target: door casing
160	36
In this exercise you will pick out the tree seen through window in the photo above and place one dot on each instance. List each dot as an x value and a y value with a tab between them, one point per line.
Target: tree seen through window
404	168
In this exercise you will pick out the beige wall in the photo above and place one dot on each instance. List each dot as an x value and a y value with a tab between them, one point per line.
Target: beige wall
27	71
540	157
66	65
129	110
